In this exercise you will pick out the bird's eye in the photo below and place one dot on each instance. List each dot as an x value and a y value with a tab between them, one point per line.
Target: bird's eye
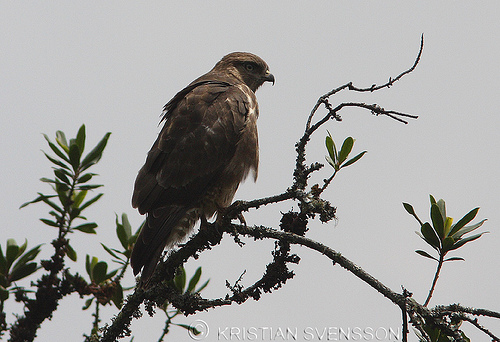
249	66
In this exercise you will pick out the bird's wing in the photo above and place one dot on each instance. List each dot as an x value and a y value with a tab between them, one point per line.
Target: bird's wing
202	126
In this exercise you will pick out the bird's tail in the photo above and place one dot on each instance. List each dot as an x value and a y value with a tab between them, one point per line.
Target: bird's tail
155	234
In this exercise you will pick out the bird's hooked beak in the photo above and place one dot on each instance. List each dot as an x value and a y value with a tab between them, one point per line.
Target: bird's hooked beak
269	77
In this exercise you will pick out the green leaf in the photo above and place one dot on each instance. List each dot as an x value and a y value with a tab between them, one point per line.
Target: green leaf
85	178
45	199
437	220
55	149
194	280
57	162
80	138
117	297
49	222
61	140
4	294
442	208
88	303
464	220
74	156
110	251
71	253
11	253
89	187
60	174
99	272
330	147
430	236
354	159
78	198
90	202
409	208
463	241
447	244
180	279
425	254
447	225
454	259
345	149
433	200
23	271
96	153
202	286
126	226
3	263
120	232
468	229
88	228
28	256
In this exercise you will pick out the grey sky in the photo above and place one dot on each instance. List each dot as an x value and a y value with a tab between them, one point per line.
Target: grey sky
113	65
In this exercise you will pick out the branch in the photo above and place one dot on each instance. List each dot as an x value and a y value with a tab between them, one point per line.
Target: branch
373	88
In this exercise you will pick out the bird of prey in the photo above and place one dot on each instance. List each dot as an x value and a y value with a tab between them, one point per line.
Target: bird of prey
207	146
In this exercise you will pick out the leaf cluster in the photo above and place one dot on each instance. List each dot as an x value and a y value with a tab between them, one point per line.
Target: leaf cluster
441	234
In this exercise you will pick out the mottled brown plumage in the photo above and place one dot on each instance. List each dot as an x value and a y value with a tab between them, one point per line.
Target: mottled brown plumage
206	147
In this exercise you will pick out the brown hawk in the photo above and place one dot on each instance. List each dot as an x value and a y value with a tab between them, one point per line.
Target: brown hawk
207	146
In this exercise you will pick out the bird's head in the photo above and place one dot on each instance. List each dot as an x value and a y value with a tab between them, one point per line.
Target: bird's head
247	67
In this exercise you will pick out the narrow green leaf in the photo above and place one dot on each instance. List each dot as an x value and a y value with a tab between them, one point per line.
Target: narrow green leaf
180	279
78	198
437	220
126	226
455	258
463	241
89	187
96	153
447	244
45	199
430	236
3	263
90	202
88	303
330	148
110	251
49	222
74	156
194	280
464	220
447	225
59	174
88	266
122	236
80	138
99	272
442	208
433	200
117	297
354	159
57	162
71	253
28	256
56	150
409	208
23	271
202	286
61	140
345	149
11	252
425	254
88	228
85	178
468	229
4	294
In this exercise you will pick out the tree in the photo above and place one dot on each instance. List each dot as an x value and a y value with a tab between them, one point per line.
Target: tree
169	289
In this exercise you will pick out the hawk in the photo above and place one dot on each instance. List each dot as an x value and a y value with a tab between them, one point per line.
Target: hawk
206	148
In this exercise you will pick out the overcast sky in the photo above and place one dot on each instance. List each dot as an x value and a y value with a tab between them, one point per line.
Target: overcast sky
113	65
